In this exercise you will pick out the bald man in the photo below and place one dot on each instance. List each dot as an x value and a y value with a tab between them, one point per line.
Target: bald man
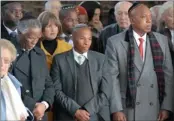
141	69
82	82
122	18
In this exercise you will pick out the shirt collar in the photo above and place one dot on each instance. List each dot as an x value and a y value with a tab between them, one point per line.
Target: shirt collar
9	30
136	36
64	35
76	54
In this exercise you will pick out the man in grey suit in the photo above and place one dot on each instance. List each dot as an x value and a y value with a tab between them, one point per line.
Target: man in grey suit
81	82
141	69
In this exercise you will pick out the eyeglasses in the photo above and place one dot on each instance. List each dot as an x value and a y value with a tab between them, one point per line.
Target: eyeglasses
5	61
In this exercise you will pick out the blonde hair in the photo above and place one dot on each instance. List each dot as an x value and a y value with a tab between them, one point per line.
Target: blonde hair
6	44
45	17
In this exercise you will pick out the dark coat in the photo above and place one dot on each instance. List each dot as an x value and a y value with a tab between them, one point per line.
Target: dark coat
107	32
5	35
42	85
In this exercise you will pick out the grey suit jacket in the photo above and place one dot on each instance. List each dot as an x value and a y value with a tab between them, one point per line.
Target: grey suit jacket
64	77
117	49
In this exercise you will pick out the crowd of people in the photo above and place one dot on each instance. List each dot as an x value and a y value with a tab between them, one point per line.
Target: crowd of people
65	65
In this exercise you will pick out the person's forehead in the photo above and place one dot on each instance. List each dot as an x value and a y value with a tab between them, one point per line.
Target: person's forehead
84	29
33	31
15	5
71	14
5	52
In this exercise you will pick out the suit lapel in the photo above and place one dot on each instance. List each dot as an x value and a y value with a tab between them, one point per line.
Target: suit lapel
71	62
20	63
146	58
92	65
137	60
35	62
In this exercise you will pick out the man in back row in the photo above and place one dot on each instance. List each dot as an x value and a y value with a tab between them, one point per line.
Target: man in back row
123	22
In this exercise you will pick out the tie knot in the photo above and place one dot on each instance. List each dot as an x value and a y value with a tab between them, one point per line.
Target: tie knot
13	34
81	59
141	40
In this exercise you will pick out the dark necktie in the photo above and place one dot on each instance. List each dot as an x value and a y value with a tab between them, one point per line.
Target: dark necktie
13	38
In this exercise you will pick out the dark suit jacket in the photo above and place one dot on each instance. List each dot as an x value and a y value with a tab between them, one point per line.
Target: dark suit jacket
42	85
5	35
63	74
107	32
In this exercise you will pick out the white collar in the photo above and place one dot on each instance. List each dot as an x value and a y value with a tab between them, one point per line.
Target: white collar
136	36
64	35
9	30
76	54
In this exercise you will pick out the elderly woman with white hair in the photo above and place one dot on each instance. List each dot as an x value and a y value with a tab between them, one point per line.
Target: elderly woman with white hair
12	107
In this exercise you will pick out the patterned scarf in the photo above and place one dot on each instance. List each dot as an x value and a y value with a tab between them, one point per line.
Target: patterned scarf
157	55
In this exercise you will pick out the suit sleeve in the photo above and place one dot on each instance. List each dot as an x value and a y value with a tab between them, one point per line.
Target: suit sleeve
113	65
49	92
67	103
102	97
168	75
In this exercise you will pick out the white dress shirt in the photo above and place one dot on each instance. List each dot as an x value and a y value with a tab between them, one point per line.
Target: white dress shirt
76	55
136	36
9	30
172	39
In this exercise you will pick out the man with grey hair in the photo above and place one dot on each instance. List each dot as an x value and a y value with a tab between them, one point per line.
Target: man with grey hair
53	6
30	68
122	18
82	94
11	14
155	12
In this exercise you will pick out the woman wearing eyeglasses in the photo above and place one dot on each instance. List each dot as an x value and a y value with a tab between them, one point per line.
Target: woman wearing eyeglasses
12	107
